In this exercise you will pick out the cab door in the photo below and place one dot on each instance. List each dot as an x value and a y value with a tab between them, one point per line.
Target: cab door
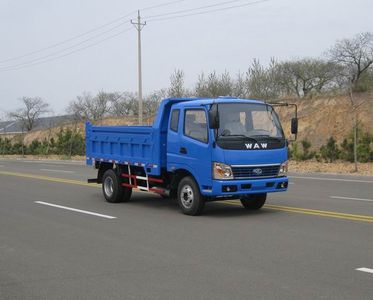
190	146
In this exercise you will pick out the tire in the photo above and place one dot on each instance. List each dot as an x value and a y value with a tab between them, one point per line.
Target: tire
189	197
254	201
112	189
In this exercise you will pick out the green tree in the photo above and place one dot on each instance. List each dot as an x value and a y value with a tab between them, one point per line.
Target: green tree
69	143
177	88
330	152
364	146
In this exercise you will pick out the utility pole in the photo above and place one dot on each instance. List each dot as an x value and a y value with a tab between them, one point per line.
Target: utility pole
139	26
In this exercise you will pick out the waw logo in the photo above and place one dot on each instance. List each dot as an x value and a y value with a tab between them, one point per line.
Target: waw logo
253	146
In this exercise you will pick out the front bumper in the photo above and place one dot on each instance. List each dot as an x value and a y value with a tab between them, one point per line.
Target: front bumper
247	186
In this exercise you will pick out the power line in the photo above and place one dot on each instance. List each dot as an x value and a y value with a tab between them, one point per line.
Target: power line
44	59
86	32
67	40
64	49
207	11
161	5
71	52
193	9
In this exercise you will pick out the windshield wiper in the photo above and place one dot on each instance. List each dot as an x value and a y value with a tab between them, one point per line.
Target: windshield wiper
268	137
238	135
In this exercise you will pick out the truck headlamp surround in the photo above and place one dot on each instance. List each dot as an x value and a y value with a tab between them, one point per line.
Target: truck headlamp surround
283	168
222	171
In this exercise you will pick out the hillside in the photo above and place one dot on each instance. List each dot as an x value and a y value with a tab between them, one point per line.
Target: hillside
322	118
319	119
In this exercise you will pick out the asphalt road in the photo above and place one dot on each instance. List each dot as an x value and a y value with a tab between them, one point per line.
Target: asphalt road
307	243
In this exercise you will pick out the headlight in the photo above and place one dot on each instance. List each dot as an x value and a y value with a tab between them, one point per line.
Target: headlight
222	171
283	168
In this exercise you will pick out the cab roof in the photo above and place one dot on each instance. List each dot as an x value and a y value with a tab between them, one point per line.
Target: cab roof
208	101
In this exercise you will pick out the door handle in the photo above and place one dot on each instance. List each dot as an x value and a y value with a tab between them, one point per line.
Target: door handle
183	150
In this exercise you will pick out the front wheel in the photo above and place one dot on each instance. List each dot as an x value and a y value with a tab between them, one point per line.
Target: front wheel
253	201
189	197
112	189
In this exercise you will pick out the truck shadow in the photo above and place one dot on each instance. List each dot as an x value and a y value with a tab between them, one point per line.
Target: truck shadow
218	209
212	209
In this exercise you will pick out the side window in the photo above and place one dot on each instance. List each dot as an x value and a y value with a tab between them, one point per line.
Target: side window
174	119
195	125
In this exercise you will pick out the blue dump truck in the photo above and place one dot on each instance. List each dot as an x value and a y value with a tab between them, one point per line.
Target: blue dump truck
198	150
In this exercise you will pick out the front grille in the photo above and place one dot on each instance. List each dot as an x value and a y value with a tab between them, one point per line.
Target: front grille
240	172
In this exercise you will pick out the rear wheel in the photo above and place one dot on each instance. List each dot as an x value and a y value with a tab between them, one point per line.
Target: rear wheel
254	201
112	189
189	197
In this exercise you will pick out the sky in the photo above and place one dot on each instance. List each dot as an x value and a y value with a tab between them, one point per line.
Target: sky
222	40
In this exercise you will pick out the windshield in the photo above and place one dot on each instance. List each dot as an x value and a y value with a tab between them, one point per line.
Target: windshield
249	120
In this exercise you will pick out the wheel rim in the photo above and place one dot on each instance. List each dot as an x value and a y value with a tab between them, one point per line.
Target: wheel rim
109	186
187	196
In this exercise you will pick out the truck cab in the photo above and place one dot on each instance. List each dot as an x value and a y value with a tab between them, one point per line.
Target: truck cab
201	150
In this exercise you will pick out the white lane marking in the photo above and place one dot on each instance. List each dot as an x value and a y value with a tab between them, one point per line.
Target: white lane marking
53	162
351	198
58	171
366	270
76	210
291	183
332	179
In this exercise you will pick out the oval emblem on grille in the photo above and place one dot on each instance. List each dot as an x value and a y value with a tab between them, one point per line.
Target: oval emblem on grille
257	171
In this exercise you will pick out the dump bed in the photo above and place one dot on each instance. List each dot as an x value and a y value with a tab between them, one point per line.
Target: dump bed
135	145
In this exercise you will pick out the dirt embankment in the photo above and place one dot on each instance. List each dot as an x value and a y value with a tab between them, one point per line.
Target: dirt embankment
322	118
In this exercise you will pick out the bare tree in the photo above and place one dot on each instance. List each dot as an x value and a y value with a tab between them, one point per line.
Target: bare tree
262	82
100	106
225	84
355	55
214	85
152	101
304	76
239	86
80	107
87	107
201	89
33	108
177	88
123	104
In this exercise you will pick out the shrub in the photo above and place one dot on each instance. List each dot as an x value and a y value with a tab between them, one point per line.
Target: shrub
294	152
307	154
297	154
5	146
364	146
69	143
330	152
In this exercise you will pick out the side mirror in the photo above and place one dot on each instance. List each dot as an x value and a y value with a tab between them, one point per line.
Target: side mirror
294	125
214	117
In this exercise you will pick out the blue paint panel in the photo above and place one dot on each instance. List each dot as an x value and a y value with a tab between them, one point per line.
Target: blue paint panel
257	186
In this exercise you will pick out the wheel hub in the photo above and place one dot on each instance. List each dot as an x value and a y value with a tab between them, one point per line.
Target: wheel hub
109	186
187	196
